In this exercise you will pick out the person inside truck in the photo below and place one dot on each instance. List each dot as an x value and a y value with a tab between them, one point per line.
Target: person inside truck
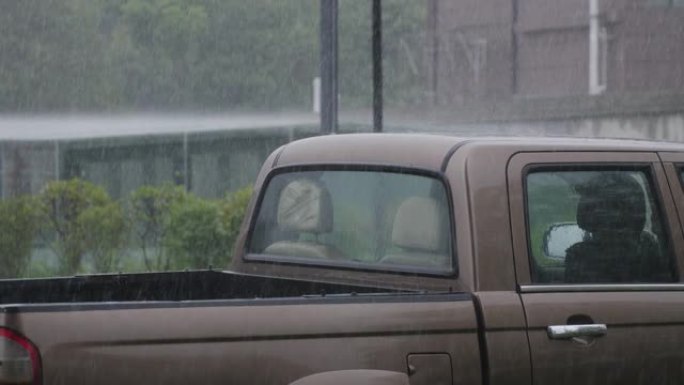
612	210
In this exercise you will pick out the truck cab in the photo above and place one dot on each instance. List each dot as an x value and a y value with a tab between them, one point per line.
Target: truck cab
571	248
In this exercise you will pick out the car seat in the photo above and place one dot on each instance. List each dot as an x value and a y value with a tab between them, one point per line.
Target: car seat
418	235
304	207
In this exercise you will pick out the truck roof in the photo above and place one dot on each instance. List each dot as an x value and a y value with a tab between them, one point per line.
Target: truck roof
432	151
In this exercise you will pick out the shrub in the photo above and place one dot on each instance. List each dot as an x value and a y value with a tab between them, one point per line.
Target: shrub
177	230
231	214
194	238
80	215
105	235
151	208
17	230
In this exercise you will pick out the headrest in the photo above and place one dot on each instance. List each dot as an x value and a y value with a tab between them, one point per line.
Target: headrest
305	206
612	202
418	225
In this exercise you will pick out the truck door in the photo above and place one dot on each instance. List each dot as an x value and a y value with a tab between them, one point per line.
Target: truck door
598	254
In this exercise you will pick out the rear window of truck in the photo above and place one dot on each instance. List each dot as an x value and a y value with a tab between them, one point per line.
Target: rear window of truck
364	219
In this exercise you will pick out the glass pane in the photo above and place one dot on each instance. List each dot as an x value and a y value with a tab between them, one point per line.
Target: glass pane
357	218
596	227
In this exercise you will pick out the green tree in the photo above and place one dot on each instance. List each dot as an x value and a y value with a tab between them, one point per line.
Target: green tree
164	38
52	55
208	54
259	54
17	230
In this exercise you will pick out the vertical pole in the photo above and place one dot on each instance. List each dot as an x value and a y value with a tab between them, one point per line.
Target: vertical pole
58	164
329	88
186	163
595	86
377	66
316	95
433	51
514	48
3	172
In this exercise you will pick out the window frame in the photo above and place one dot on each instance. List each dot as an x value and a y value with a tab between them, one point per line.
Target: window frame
588	157
673	163
440	177
679	169
656	192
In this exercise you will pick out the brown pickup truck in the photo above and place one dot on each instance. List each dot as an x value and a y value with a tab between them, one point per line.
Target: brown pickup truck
397	259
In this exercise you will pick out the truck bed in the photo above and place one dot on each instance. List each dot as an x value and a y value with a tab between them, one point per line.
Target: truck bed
170	286
210	327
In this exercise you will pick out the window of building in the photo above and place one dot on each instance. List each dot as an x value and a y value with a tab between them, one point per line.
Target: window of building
361	219
596	226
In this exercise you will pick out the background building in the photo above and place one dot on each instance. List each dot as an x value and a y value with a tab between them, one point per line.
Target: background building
532	56
209	155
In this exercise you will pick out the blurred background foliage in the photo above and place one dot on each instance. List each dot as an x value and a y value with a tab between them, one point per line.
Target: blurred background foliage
18	225
79	218
120	55
150	215
169	55
157	228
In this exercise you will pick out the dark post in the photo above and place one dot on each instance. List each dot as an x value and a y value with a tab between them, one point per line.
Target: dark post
433	51
329	91
514	49
377	66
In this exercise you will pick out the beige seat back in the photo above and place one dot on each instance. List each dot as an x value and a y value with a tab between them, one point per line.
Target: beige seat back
304	207
418	235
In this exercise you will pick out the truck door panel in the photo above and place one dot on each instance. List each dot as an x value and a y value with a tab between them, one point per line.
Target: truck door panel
645	331
504	337
626	322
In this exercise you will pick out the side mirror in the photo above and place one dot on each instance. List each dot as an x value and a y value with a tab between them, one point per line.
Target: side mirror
559	237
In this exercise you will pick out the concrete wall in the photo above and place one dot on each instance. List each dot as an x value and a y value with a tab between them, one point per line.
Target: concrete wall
663	127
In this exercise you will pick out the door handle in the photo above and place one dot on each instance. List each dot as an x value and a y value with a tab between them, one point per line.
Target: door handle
563	332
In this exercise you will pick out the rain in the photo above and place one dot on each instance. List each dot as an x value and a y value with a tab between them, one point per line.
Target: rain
200	155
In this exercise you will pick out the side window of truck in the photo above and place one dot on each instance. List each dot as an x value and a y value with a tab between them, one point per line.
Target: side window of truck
596	226
363	219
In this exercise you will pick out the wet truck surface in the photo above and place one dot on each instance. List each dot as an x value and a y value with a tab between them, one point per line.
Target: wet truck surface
397	259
